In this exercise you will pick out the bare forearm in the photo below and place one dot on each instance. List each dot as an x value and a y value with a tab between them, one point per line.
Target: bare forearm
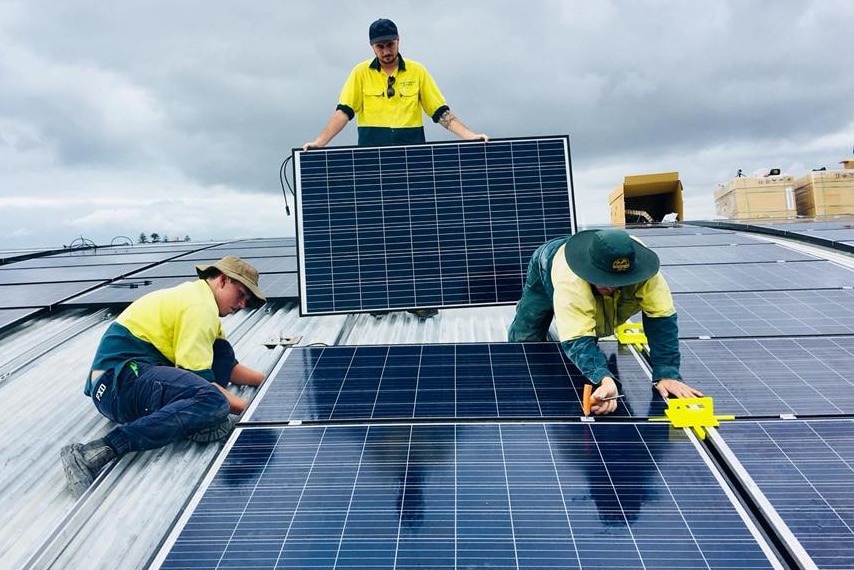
336	124
456	126
245	376
236	404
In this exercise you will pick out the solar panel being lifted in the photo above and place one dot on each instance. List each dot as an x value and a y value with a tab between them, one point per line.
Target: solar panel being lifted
433	225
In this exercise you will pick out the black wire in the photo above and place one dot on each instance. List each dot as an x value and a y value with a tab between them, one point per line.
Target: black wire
283	179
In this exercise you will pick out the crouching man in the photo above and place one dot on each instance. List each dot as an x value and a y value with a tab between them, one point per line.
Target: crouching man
161	369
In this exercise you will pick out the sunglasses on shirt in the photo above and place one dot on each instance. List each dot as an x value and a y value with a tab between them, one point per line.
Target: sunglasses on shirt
390	87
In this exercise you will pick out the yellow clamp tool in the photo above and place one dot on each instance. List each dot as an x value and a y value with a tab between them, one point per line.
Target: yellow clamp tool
694	413
631	333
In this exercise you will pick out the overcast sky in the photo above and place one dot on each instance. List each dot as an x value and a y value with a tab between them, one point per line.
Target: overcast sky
120	118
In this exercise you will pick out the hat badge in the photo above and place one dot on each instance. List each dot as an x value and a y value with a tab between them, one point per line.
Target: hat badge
621	264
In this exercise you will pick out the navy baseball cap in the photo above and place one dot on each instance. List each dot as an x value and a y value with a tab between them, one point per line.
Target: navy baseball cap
382	30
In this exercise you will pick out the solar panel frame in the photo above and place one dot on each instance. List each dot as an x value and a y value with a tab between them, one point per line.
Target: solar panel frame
444	224
521	495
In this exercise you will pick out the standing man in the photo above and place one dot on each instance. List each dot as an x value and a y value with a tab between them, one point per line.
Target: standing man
387	95
162	367
589	283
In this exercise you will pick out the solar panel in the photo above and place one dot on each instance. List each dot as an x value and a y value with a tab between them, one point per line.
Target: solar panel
656	241
68	273
522	495
276	286
187	268
41	294
773	376
9	317
439	381
805	469
718	254
255	252
757	277
770	313
444	224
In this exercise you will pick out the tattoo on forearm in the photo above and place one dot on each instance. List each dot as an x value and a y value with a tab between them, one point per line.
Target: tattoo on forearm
446	118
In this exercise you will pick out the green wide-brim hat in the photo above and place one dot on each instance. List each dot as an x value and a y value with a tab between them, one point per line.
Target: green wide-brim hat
610	258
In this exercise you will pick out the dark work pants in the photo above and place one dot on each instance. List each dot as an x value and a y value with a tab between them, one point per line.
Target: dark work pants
535	310
163	404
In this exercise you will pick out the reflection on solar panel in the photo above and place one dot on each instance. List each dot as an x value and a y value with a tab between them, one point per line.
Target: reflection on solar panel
718	254
464	496
757	277
770	313
806	470
774	376
448	224
433	381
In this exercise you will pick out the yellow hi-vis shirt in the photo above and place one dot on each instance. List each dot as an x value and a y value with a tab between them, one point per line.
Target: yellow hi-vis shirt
579	312
181	322
365	94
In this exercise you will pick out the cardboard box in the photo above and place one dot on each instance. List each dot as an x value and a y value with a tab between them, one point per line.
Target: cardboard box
646	198
825	193
750	197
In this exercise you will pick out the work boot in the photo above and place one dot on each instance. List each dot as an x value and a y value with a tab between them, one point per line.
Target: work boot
216	432
82	463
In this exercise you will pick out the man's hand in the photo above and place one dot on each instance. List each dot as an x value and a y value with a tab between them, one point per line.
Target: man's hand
312	144
670	387
607	389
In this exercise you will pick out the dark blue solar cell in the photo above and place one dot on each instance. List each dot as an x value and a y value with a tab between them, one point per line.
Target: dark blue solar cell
532	495
449	224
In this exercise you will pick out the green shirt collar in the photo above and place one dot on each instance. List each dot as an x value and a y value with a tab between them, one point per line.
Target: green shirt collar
401	65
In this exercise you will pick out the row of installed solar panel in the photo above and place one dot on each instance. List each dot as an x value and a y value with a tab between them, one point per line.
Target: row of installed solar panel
747	377
120	275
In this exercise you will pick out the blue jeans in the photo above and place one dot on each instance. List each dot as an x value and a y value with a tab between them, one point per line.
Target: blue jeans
162	404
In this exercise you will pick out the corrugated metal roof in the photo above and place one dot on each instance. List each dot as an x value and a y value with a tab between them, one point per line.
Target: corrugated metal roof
121	521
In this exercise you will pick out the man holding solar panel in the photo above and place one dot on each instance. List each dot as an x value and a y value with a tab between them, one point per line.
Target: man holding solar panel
589	283
387	95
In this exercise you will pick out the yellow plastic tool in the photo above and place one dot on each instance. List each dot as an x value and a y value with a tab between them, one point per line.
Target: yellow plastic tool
631	333
694	413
